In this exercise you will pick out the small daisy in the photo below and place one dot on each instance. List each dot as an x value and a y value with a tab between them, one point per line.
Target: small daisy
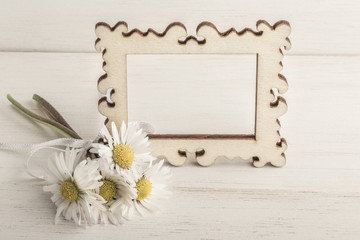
73	186
150	185
124	151
117	193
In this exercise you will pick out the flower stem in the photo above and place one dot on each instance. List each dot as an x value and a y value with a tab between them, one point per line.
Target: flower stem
64	131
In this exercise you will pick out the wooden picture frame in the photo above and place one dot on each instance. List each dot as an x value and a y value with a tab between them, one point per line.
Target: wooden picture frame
264	146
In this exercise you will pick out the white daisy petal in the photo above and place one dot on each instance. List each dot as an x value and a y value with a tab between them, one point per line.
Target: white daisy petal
85	209
70	156
105	132
132	137
53	172
115	134
149	206
97	146
149	199
114	207
64	205
73	188
62	166
139	208
125	179
74	216
51	188
122	132
56	197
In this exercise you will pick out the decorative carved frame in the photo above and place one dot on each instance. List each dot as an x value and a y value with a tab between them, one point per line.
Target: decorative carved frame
264	146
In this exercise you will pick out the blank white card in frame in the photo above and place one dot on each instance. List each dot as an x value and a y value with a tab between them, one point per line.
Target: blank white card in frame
193	94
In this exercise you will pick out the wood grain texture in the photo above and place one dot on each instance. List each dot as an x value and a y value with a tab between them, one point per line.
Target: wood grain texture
320	27
316	196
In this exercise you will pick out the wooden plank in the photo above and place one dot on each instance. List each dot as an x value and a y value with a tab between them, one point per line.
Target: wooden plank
316	196
220	202
59	78
319	27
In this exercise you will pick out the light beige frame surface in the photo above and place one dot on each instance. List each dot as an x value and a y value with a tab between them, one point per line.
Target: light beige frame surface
264	146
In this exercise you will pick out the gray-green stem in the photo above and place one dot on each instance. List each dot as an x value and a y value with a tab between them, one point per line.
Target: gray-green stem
61	129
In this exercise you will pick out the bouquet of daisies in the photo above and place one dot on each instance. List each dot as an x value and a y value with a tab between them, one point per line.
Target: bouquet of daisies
107	181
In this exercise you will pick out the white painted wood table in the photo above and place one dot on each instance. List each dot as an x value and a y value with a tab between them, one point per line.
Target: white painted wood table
47	48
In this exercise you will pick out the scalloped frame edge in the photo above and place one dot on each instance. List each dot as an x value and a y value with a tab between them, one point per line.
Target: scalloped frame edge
265	146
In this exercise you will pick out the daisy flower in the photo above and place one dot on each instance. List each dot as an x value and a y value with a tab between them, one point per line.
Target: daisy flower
124	150
150	185
117	193
73	186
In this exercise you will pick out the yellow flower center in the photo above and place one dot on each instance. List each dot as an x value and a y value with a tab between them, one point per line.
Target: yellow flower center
68	191
143	187
123	156
107	190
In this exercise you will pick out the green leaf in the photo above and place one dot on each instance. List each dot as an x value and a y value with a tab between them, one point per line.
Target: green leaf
52	113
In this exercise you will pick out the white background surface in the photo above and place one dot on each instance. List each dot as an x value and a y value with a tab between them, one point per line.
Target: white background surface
47	48
193	94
